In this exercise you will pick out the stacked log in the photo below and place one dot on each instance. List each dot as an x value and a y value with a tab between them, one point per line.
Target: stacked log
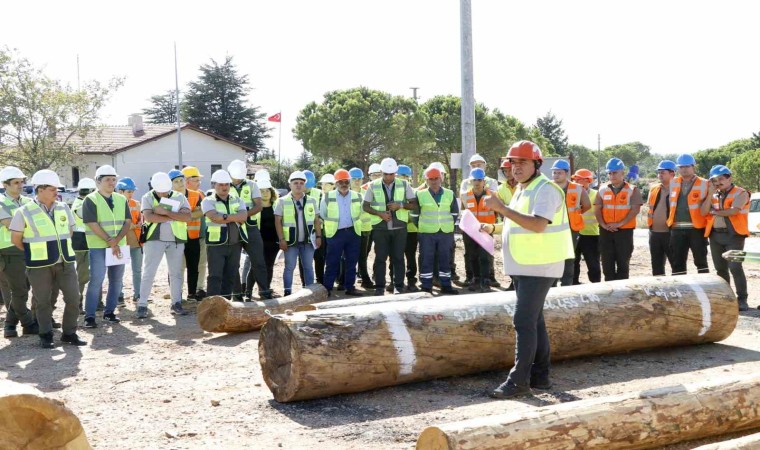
322	353
749	442
374	300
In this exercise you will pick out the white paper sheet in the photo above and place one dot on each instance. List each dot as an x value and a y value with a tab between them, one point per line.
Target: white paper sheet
111	260
469	224
170	203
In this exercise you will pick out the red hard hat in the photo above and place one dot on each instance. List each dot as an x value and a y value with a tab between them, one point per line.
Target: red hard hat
525	150
506	164
583	173
342	175
432	173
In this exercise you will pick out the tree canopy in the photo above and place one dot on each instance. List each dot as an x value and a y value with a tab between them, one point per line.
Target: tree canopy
550	127
163	108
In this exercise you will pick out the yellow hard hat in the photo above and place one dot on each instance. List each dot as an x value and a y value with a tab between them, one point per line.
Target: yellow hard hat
191	171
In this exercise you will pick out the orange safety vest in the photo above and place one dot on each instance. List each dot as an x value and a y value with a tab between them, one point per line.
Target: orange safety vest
134	210
695	199
653	193
573	202
616	207
738	221
194	226
479	208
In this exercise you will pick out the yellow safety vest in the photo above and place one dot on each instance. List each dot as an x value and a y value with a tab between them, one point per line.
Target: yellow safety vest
333	213
590	224
365	217
289	222
110	220
218	233
46	240
434	216
78	222
531	248
179	228
245	193
378	199
505	192
10	207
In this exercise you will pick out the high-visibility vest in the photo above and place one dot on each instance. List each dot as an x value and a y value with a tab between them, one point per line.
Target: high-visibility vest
246	188
696	197
134	211
46	239
554	244
740	221
573	203
179	228
333	212
366	217
316	194
194	226
478	208
289	221
378	199
654	191
590	224
435	217
505	192
10	208
110	220
76	209
616	207
218	233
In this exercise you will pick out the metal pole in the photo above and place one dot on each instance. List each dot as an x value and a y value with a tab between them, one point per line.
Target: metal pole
176	94
598	159
468	88
79	88
279	148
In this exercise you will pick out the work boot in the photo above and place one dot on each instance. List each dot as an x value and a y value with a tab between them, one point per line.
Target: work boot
448	290
142	312
379	291
493	283
200	294
266	295
509	390
368	284
485	286
46	340
411	287
743	306
72	339
10	331
472	285
467	282
541	383
31	328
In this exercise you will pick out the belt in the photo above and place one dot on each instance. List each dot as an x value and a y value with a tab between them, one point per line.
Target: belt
720	230
346	228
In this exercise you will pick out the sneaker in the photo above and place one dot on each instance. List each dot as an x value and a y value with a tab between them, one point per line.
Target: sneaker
31	328
120	302
72	339
389	288
398	290
473	287
494	283
46	340
412	287
56	324
379	291
135	299
192	298
111	318
286	292
354	293
10	331
426	289
509	390
142	312
89	322
200	294
541	383
368	285
743	306
448	290
177	309
467	282
266	295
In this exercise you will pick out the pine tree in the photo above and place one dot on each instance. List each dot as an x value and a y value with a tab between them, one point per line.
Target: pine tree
163	108
551	128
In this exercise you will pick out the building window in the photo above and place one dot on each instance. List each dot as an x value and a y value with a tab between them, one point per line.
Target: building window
75	176
215	167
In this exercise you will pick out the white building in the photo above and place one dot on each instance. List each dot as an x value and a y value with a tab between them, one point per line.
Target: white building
139	150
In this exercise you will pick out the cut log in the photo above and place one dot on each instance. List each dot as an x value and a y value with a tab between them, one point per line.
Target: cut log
647	419
29	420
219	315
316	354
750	442
361	301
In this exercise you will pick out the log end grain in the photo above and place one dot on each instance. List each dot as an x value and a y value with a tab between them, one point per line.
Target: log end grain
433	438
212	313
278	358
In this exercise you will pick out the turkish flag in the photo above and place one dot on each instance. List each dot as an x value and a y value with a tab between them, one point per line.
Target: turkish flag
275	118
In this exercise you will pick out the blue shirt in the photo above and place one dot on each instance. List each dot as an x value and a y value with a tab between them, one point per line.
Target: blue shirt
344	209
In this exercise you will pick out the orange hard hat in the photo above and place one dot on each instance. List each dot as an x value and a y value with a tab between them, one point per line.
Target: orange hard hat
583	173
525	150
342	175
506	164
432	173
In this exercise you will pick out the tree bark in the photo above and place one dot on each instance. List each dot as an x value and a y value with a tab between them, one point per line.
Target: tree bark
219	315
321	353
30	420
646	419
749	442
361	301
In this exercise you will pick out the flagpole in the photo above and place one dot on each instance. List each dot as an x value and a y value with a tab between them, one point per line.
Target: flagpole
176	91
279	148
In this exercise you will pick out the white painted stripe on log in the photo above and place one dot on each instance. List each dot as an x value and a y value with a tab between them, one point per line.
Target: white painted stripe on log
402	341
704	302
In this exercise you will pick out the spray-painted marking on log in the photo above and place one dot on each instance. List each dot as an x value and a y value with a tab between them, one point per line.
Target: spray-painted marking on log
427	318
469	314
667	296
704	302
402	341
571	302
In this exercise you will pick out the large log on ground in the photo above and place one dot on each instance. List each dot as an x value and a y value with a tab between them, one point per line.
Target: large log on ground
29	420
749	442
361	301
646	419
219	315
321	353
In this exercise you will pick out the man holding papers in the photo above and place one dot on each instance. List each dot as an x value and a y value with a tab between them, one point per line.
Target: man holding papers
166	214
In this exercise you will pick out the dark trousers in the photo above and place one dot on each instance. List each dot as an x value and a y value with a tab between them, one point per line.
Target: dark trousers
363	255
46	283
617	249
588	248
720	243
255	250
271	248
344	245
192	259
15	287
431	244
479	261
223	266
389	244
568	274
531	338
681	241
659	250
410	254
452	262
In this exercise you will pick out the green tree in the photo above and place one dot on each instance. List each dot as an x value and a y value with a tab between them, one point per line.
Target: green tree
631	153
163	108
721	155
217	102
550	127
583	157
42	121
746	170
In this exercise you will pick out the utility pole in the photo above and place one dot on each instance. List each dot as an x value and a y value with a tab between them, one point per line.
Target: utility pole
176	94
598	158
79	88
414	92
468	88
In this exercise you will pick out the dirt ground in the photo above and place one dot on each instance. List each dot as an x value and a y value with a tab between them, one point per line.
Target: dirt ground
165	383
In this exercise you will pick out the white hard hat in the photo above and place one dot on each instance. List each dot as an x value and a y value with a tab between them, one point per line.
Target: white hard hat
86	183
374	168
297	175
160	182
262	174
438	165
221	176
46	177
10	173
105	171
327	178
264	184
388	165
237	169
475	158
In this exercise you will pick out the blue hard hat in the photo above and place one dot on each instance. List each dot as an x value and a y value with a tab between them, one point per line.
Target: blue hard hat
615	164
561	164
126	184
311	180
719	170
404	170
667	165
356	173
685	160
478	174
175	174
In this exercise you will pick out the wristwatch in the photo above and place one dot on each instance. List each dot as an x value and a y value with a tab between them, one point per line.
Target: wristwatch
224	216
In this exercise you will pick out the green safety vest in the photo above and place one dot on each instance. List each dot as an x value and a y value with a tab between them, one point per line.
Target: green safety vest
554	244
378	199
316	194
76	207
218	233
10	207
366	217
435	217
333	212
289	222
245	193
110	220
179	228
46	240
505	193
590	225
